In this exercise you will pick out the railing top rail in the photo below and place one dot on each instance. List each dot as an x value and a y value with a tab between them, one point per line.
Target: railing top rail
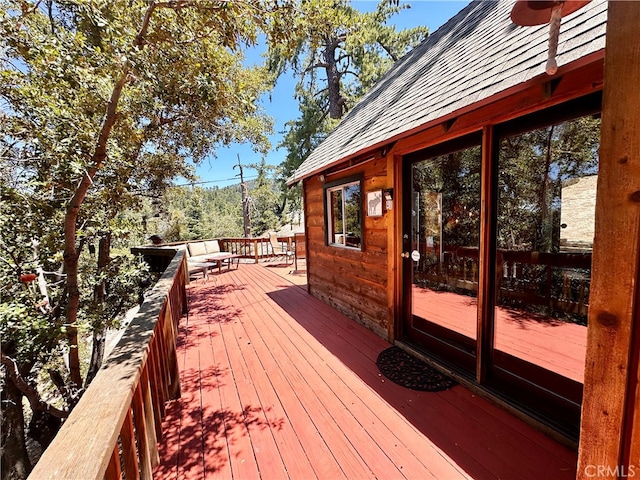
245	239
84	444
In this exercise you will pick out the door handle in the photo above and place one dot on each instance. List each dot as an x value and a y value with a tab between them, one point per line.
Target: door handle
405	255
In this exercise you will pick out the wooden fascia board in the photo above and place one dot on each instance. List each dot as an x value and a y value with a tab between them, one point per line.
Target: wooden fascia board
583	78
349	163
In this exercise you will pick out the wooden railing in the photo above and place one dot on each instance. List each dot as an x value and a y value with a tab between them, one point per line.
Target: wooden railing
559	281
115	429
157	256
255	248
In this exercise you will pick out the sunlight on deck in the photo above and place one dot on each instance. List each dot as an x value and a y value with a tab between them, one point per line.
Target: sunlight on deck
276	384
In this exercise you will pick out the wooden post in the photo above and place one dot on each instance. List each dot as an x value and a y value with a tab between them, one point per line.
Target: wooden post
609	412
145	450
114	472
486	257
394	244
155	382
129	451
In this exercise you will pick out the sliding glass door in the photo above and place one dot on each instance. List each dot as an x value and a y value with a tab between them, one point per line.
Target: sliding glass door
441	252
537	190
546	191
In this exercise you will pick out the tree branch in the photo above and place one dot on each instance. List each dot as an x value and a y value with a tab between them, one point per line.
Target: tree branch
389	51
71	253
314	66
31	393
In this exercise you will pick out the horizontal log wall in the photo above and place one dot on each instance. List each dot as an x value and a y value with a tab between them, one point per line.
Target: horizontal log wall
115	429
352	281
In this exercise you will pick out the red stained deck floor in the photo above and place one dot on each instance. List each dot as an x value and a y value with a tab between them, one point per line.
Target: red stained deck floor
276	385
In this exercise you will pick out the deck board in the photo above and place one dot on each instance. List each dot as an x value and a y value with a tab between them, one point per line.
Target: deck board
276	384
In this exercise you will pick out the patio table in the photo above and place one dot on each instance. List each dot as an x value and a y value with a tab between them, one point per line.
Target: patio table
200	267
221	257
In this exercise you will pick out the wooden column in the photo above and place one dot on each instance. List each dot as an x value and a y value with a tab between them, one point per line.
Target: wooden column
486	258
610	424
394	248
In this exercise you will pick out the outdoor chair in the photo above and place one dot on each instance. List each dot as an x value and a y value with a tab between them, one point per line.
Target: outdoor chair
300	249
279	249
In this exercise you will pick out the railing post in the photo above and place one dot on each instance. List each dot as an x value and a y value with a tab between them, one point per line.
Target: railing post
157	392
129	455
145	453
170	337
114	471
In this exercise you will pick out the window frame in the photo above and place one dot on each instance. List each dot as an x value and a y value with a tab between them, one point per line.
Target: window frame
328	189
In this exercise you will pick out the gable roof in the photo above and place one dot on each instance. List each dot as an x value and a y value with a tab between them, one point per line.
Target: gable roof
477	54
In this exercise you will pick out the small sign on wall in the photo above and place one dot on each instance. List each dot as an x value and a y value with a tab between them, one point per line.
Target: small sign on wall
374	203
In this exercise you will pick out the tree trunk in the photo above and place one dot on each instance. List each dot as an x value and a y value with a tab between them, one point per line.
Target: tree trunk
97	354
333	80
73	299
246	220
15	460
43	428
99	294
71	252
545	227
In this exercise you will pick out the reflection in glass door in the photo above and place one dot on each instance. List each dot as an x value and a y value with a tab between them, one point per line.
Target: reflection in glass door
442	250
545	226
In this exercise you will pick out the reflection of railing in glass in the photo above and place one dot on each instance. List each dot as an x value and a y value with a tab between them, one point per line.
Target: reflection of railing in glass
458	272
554	285
546	204
551	284
446	221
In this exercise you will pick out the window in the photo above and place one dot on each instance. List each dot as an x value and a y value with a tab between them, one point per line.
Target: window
343	214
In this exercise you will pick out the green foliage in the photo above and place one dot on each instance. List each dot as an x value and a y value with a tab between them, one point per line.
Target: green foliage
533	168
264	197
29	327
101	101
123	281
197	213
340	55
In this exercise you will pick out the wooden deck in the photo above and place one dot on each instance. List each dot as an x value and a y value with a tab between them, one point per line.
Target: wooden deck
276	385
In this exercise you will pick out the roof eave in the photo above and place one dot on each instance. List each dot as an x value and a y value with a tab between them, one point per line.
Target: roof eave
538	80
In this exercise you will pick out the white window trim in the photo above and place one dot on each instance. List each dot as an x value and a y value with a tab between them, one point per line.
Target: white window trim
328	205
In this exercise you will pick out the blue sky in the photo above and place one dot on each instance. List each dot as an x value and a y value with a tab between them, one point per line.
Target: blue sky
282	106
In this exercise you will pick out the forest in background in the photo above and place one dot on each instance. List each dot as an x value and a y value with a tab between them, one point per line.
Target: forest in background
194	212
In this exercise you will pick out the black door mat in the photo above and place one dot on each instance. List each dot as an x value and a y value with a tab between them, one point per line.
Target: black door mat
411	372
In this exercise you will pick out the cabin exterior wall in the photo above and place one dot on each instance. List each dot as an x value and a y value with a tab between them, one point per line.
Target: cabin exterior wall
352	281
368	284
609	442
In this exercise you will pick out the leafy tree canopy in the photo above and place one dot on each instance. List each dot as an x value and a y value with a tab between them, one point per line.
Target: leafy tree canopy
100	101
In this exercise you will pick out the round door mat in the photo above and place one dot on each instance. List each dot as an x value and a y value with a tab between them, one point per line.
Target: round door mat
411	372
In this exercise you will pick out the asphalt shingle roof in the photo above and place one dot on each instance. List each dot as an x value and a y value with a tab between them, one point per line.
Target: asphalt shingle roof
477	54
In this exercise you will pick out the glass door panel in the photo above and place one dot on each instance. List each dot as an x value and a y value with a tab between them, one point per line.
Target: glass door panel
443	248
545	226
